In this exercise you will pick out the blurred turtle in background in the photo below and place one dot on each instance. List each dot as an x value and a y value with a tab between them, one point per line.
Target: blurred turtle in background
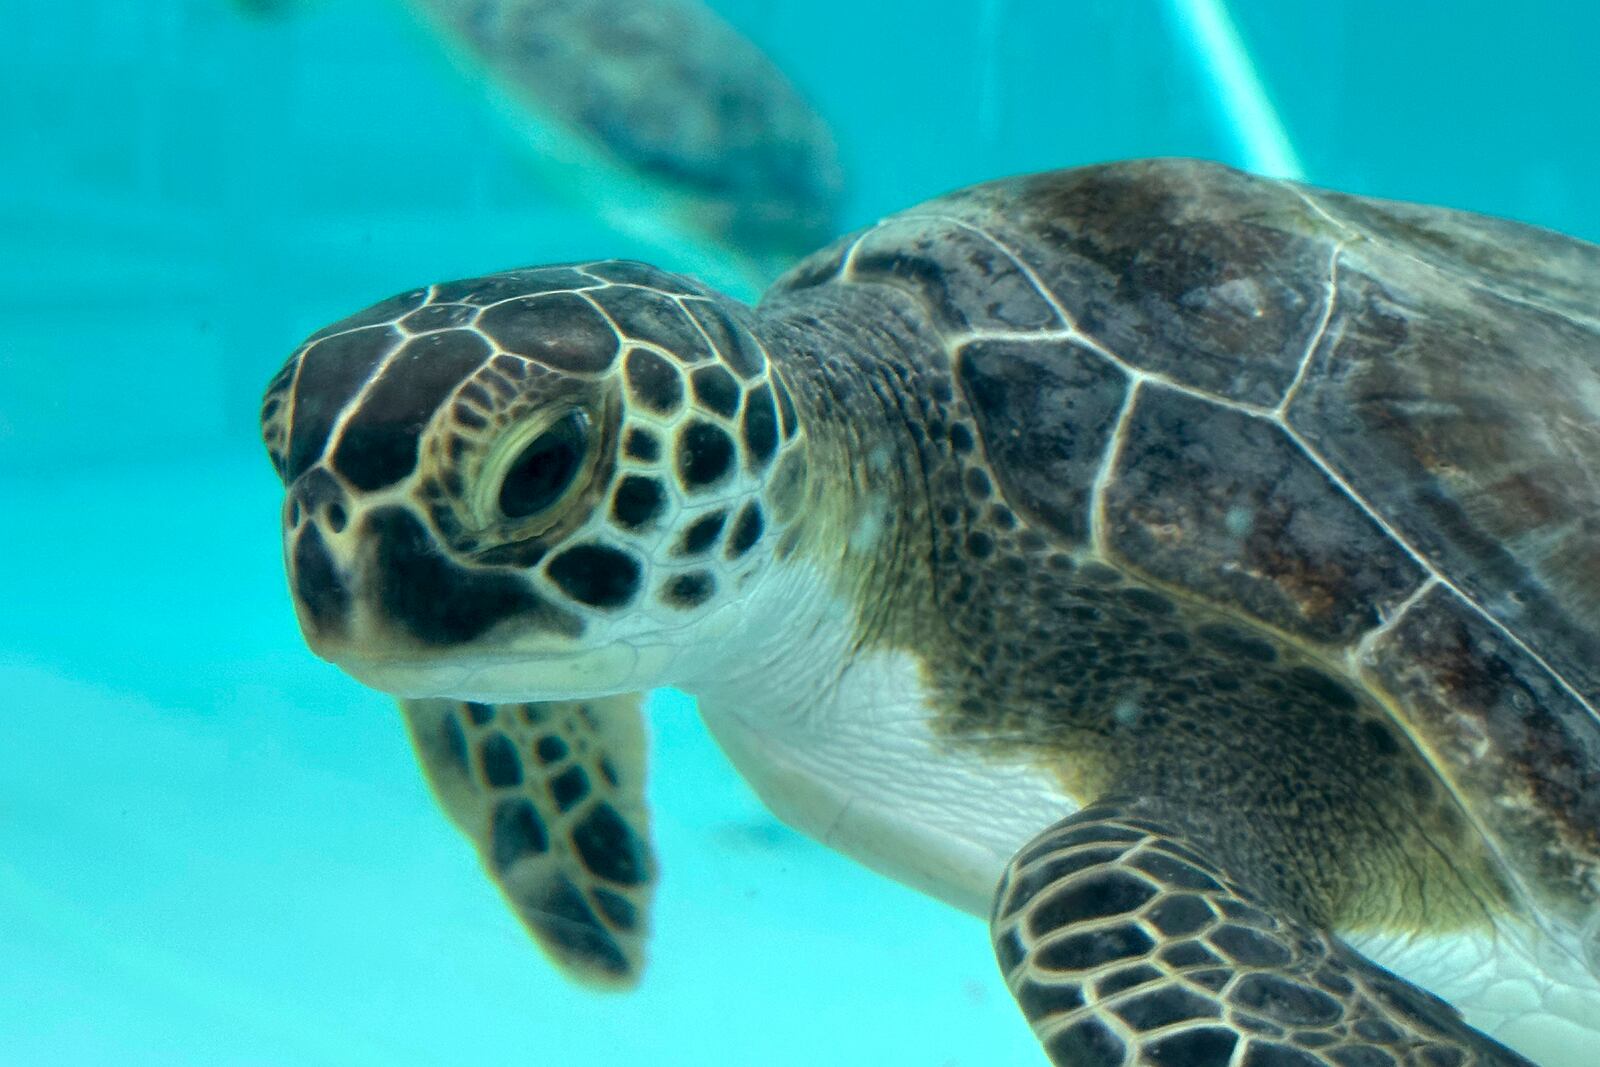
671	125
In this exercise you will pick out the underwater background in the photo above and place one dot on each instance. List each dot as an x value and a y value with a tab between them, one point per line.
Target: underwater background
216	849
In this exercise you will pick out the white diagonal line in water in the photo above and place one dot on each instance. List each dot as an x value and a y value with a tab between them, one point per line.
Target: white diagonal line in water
1263	141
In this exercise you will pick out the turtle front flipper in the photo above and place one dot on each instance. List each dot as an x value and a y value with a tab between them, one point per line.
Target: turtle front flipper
552	794
1126	947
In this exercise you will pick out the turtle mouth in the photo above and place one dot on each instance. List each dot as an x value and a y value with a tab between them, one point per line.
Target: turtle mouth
383	585
501	677
385	603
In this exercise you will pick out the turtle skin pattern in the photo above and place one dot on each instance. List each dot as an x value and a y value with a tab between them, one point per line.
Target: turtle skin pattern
1125	948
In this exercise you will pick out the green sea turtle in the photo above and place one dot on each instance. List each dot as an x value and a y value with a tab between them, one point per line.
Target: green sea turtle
664	119
1198	574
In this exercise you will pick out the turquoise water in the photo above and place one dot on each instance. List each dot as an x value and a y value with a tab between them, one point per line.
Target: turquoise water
214	848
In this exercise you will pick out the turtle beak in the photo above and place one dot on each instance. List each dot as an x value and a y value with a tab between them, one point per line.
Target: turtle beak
374	585
321	594
314	509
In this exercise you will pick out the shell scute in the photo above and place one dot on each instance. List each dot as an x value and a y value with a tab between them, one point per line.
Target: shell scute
1200	274
969	282
1471	422
1224	503
1521	748
1069	398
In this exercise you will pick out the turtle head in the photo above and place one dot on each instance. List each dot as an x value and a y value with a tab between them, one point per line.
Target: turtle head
539	484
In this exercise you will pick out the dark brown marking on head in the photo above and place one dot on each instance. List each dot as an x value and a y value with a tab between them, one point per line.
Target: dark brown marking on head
506	285
379	314
760	428
597	575
318	585
441	603
732	341
747	530
701	535
431	317
690	590
642	445
649	317
654	383
378	445
705	455
638	502
716	390
332	371
560	330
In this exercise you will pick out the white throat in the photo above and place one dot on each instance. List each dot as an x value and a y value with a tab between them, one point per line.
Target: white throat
842	746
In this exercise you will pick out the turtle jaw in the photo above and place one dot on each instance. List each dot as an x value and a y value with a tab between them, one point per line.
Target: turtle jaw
510	663
382	599
380	596
508	678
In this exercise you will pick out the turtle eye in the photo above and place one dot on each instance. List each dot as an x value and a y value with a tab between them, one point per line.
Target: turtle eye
545	468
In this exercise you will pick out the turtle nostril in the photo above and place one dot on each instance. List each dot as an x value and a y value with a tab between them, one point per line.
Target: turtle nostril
317	494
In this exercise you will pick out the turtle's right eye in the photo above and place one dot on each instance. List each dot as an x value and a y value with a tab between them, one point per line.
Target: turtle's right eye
545	469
